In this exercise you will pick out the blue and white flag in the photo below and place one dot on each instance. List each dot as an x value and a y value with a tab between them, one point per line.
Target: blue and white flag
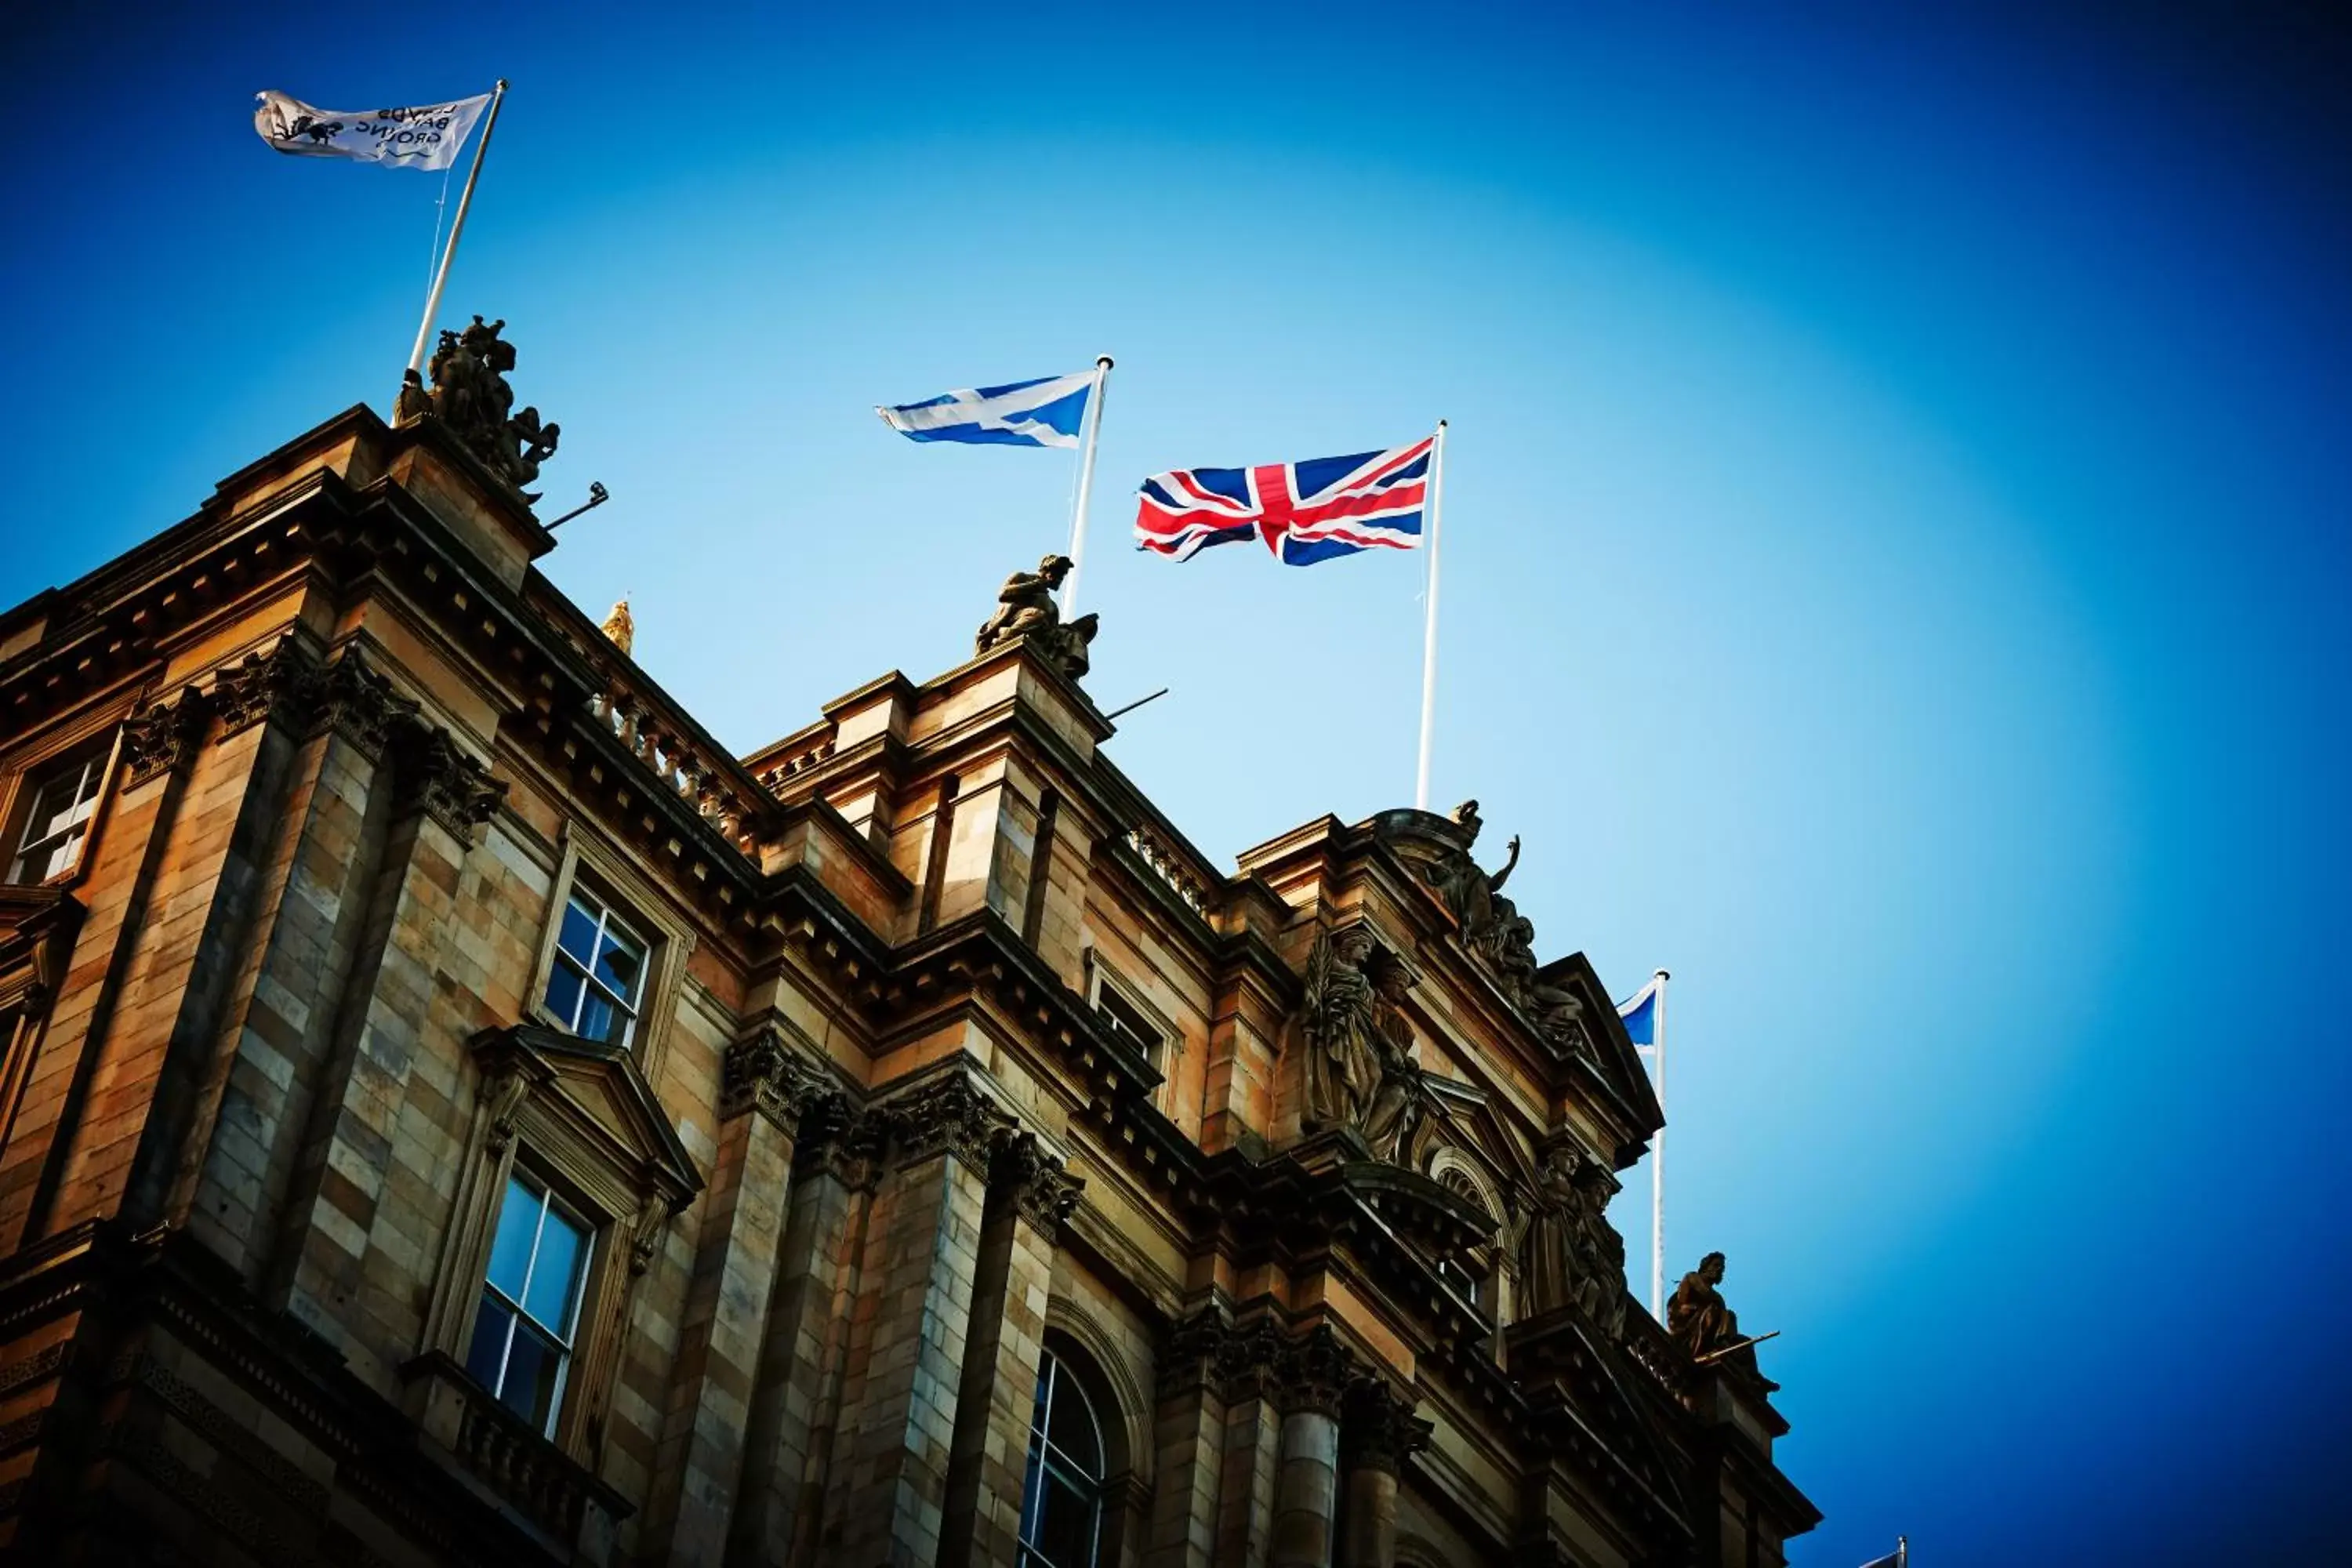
1044	413
1641	1012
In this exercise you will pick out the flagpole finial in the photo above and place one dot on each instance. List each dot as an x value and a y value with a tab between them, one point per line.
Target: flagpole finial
1664	976
502	84
1104	360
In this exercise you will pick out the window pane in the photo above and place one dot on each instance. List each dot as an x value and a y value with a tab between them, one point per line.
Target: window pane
579	935
1066	1523
531	1367
490	1346
621	963
599	1020
555	1278
511	1253
563	983
1072	1427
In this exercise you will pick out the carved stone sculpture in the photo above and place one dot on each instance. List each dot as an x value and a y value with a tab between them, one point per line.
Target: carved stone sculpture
1341	1064
620	627
471	395
1026	608
1357	1068
1569	1252
1398	1100
1699	1319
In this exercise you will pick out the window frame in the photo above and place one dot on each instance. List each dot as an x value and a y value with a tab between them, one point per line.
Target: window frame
98	749
552	1203
610	919
584	861
1102	981
1041	1456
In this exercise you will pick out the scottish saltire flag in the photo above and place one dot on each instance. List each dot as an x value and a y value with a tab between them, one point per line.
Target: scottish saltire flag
1305	512
1042	413
1640	1013
424	136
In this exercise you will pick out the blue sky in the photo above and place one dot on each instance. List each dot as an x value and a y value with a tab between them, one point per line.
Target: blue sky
1895	567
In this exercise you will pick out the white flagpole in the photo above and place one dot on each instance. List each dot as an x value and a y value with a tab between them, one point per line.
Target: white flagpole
1429	628
1086	484
1658	1165
441	275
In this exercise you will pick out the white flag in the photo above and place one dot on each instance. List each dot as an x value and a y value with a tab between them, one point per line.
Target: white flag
425	137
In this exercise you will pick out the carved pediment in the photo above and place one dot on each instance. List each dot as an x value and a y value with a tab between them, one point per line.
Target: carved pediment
1607	1048
591	1100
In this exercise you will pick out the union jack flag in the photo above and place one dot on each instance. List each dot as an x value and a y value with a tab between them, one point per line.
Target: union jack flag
1305	512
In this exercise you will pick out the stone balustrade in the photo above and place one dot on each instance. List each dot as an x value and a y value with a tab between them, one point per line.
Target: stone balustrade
1170	867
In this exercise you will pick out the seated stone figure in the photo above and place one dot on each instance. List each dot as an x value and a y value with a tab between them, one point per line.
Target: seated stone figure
1699	1318
1026	608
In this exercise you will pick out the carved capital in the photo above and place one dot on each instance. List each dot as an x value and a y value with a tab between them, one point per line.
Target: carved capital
1188	1359
454	789
262	686
1044	1193
1312	1373
763	1073
1378	1427
356	704
839	1140
950	1116
161	737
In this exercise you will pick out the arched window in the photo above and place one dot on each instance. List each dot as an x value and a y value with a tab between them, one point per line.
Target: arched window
1061	1503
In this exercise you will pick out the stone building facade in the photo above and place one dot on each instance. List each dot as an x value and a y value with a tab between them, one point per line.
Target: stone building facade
455	1111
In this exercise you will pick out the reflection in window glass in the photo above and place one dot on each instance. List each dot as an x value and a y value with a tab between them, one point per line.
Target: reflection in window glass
531	1303
1061	1502
593	989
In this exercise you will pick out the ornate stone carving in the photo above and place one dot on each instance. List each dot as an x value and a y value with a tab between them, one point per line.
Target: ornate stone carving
647	1230
839	1140
762	1072
1356	1067
162	736
503	1096
1700	1322
453	788
471	396
620	627
356	704
270	684
1492	928
1044	1193
1569	1252
1378	1428
1026	608
1313	1373
948	1116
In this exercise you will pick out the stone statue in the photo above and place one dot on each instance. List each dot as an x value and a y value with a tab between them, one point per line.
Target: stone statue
620	628
1491	925
1357	1068
1569	1252
1700	1321
1026	608
1340	1065
1398	1100
471	395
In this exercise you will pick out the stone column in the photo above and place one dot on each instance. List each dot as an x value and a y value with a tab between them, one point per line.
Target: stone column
1188	1433
788	1442
766	1089
1378	1431
887	1497
1030	1198
1249	1464
1313	1374
352	1168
